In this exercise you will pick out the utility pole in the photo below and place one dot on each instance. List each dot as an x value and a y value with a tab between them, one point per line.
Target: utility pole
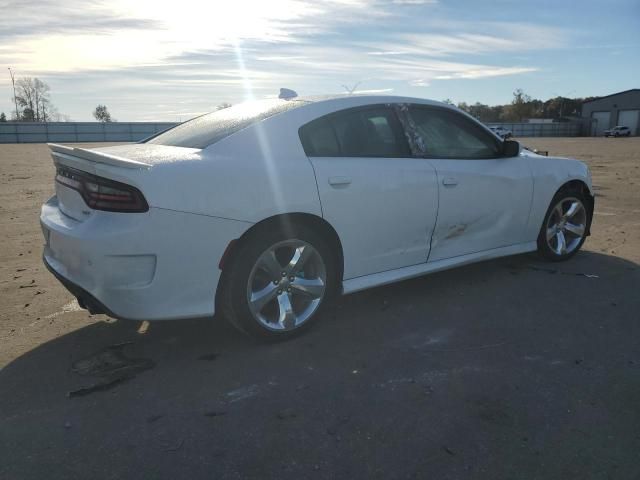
15	100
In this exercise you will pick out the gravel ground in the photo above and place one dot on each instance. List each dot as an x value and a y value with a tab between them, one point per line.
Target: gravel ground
508	369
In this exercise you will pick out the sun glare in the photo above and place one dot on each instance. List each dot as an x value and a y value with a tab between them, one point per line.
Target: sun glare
168	29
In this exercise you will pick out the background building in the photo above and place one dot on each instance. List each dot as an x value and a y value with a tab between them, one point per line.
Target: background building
621	108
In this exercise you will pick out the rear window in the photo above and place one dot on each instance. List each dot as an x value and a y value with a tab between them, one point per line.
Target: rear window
372	131
205	130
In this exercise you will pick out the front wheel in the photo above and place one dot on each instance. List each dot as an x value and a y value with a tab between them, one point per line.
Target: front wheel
565	226
278	283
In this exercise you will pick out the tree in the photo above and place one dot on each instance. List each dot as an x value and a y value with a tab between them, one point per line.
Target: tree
32	94
463	106
520	108
559	107
482	112
28	115
3	117
101	114
497	113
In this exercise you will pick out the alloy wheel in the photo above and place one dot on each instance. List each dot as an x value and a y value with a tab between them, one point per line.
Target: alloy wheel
286	285
566	226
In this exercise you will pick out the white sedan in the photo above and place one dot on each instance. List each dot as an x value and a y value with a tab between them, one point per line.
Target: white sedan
502	132
267	210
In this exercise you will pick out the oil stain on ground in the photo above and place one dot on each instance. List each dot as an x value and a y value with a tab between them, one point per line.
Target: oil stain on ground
111	366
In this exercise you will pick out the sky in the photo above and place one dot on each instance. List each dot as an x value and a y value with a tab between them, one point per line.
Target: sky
171	60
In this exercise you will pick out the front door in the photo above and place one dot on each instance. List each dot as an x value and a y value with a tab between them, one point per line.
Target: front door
484	197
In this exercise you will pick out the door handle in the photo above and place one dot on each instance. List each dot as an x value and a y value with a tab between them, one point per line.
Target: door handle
450	181
339	181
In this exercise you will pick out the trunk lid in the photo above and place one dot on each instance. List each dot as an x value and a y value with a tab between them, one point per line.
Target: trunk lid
122	163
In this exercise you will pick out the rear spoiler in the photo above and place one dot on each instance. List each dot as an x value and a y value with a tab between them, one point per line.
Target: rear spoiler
95	156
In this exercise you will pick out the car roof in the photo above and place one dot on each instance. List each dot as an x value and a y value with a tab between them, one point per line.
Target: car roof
312	107
362	99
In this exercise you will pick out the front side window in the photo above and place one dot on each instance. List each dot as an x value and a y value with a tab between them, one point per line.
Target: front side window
359	132
448	134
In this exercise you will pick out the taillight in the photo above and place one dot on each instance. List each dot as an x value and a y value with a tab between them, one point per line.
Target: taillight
101	193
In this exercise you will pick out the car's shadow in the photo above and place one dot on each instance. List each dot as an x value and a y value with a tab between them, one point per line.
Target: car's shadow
511	367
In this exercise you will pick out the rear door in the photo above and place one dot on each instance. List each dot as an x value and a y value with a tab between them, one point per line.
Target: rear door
484	198
380	199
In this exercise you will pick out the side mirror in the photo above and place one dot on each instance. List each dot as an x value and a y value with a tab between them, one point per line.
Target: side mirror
510	148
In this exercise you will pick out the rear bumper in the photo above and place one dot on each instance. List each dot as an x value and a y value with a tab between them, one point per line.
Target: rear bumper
85	299
158	265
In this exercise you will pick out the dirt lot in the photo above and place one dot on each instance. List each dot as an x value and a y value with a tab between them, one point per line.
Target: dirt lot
514	368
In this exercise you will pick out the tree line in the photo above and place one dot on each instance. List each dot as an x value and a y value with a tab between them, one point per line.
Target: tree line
33	102
522	107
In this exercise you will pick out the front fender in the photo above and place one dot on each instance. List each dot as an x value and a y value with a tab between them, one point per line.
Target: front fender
550	174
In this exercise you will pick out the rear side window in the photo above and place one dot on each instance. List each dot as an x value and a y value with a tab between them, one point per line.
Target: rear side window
319	139
210	128
361	132
448	134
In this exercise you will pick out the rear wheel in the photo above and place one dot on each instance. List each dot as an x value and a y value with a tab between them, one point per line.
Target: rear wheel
565	226
278	283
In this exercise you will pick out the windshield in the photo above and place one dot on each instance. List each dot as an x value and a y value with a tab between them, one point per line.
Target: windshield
205	130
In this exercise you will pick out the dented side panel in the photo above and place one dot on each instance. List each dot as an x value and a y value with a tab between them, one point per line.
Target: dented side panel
484	204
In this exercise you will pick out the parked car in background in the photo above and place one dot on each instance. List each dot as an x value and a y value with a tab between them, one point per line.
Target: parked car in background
502	132
618	131
264	211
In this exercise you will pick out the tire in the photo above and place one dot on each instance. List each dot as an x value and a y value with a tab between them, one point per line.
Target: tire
565	224
277	283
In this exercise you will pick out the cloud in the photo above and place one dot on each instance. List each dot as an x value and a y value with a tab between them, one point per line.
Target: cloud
35	18
414	2
193	55
470	39
482	72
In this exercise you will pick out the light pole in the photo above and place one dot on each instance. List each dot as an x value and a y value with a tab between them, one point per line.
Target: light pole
15	100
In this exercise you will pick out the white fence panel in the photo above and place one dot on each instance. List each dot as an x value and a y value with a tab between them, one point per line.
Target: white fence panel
70	132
